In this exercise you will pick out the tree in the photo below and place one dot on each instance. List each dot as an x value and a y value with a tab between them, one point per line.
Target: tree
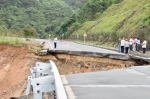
30	32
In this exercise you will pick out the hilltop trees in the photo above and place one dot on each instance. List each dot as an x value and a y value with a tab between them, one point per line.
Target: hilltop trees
50	16
44	16
30	32
91	10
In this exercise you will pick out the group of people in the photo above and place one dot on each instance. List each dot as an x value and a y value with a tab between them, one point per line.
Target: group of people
133	44
124	45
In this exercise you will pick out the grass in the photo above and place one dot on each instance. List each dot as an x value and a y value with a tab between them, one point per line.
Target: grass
38	48
147	52
11	40
34	46
124	18
119	14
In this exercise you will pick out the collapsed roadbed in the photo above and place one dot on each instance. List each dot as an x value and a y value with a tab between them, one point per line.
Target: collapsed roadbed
15	63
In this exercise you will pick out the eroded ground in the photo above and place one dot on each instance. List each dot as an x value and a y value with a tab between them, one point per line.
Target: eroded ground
15	63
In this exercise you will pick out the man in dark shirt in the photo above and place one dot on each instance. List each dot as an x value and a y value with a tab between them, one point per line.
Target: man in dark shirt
119	45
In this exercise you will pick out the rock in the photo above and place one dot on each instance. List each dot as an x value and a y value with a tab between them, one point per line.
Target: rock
79	66
4	92
123	66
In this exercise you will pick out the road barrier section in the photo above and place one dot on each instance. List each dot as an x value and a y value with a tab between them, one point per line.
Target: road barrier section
45	78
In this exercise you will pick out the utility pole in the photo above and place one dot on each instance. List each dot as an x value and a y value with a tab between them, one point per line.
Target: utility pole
62	36
77	36
49	36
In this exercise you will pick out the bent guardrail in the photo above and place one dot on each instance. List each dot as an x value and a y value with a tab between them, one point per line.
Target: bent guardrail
45	78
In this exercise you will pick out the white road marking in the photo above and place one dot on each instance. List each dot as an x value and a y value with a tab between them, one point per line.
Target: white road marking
112	86
64	80
70	92
68	88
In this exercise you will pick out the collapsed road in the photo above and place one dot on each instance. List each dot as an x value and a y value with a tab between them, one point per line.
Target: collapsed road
68	62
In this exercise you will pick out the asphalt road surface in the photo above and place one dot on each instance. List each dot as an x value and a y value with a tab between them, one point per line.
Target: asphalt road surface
131	83
71	46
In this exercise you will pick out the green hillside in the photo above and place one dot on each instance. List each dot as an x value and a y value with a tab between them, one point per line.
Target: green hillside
75	4
126	19
91	10
41	16
101	20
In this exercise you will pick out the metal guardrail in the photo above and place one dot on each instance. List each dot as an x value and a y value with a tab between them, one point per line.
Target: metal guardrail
45	78
59	88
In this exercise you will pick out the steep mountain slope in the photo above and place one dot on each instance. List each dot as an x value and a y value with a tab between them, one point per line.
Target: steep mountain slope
91	10
128	18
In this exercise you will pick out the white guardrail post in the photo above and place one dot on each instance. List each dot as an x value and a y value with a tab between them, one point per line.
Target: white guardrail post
45	78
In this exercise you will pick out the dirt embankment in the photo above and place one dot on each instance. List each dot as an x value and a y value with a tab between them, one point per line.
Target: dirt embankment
71	64
14	69
15	63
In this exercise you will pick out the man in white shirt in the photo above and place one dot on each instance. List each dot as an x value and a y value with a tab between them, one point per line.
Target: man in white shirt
122	45
55	42
144	46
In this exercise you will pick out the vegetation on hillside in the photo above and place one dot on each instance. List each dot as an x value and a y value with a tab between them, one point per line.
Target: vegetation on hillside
101	20
42	16
126	19
91	10
75	4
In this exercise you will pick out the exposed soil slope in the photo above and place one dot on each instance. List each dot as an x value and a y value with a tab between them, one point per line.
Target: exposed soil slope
14	69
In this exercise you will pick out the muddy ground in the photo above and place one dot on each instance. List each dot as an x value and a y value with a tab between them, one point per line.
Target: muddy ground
15	63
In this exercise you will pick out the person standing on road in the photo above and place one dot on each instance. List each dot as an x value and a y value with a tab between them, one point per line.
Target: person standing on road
55	42
138	44
134	44
144	46
119	45
126	46
136	40
122	45
130	44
